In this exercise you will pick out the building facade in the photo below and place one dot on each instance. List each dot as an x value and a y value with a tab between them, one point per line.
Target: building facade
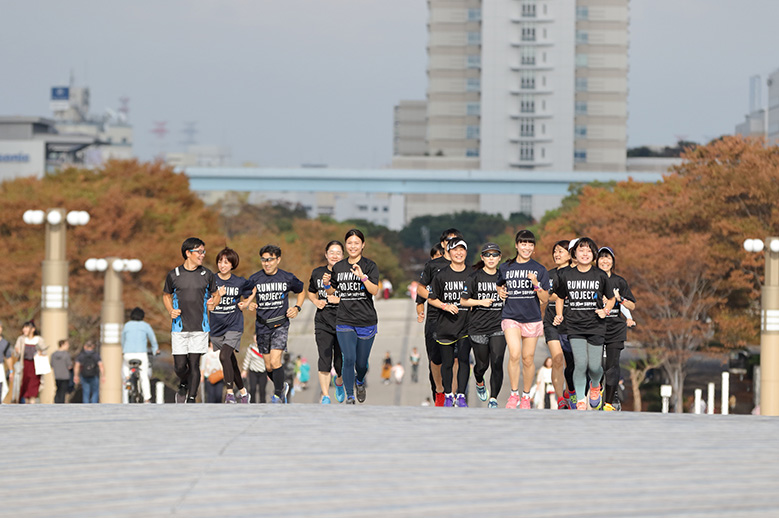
410	125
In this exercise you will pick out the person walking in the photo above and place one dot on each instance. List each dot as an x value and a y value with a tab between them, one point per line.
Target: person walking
89	371
413	359
136	337
356	280
329	352
253	369
62	365
29	344
6	364
212	376
190	292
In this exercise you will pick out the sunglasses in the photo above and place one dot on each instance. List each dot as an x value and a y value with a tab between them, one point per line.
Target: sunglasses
268	259
197	251
491	254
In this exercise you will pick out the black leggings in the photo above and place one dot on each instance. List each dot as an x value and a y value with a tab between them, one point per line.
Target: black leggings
187	368
230	367
568	372
258	381
490	355
612	371
463	346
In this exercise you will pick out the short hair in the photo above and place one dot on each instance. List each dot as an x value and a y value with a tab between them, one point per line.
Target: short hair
525	236
62	342
333	243
270	249
585	241
229	254
563	243
355	232
190	244
437	249
137	314
445	234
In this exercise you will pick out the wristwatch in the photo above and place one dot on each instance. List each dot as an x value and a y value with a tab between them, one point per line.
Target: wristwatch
297	307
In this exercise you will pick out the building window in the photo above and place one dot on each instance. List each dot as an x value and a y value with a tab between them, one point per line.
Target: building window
362	208
579	156
580	131
528	55
526	204
472	132
474	15
582	37
528	9
527	128
474	61
474	38
472	152
385	209
473	109
582	13
527	80
528	33
581	84
473	84
581	60
581	108
526	151
527	104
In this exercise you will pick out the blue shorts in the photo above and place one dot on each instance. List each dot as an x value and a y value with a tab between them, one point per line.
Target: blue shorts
362	332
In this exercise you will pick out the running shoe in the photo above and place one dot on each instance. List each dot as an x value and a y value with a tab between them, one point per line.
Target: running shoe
461	402
562	404
449	400
340	392
493	403
581	405
573	401
285	393
524	403
191	399
325	400
439	399
276	400
350	400
230	398
245	398
181	394
513	401
482	392
360	391
608	407
595	397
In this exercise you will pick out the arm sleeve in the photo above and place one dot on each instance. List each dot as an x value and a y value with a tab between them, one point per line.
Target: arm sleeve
470	288
168	288
501	278
560	289
373	273
625	311
296	285
312	284
543	279
435	289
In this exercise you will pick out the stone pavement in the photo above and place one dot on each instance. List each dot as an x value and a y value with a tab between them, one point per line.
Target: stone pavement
368	460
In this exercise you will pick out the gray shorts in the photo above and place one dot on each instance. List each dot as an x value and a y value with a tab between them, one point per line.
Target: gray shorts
189	342
230	339
276	339
484	339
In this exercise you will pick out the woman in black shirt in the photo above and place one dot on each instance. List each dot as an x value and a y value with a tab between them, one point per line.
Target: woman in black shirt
555	336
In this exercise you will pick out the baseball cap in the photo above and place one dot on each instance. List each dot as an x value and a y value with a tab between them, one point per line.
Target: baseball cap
489	247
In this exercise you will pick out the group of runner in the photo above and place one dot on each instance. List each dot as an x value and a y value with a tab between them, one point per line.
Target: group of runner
206	307
581	308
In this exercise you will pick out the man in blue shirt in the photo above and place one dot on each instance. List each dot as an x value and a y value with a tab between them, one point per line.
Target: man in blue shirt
136	336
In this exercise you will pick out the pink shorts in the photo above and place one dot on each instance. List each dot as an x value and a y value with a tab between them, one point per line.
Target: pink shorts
527	330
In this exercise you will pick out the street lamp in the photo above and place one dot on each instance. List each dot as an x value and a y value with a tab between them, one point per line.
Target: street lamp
112	319
54	282
769	325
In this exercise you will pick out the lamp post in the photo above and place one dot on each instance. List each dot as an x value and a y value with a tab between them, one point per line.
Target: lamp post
769	325
54	281
112	319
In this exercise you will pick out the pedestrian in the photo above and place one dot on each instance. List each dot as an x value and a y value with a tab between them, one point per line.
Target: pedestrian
136	337
190	292
585	288
386	368
62	365
525	284
356	279
27	346
386	288
304	374
212	376
271	287
556	337
398	372
451	333
431	269
545	391
413	359
488	340
329	352
6	364
88	370
616	326
227	322
253	369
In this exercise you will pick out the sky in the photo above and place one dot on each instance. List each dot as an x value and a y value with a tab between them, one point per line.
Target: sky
288	82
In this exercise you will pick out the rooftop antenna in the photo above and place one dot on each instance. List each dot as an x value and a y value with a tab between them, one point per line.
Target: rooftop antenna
189	131
160	130
124	108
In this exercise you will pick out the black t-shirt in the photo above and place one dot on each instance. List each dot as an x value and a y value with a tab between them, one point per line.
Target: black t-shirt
226	316
448	287
432	267
356	306
522	304
271	298
480	285
190	292
324	318
551	310
616	326
585	292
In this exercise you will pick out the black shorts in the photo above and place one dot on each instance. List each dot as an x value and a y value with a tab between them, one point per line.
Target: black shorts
276	339
551	333
327	347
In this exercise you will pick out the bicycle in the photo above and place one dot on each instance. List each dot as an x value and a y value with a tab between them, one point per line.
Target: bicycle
133	383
